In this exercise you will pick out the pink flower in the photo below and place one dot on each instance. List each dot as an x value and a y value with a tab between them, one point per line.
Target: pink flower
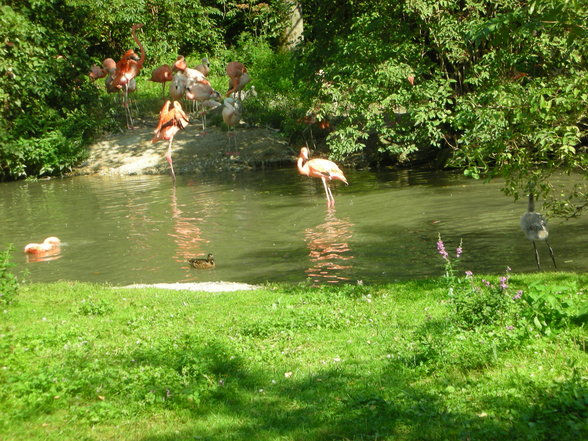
458	251
469	274
441	249
518	295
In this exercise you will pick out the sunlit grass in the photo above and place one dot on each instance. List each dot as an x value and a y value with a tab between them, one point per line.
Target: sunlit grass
285	362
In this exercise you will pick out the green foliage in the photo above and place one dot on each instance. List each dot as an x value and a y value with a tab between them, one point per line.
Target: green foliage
91	306
478	303
554	307
500	88
50	110
9	285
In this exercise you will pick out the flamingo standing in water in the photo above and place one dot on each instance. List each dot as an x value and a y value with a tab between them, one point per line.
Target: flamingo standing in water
172	119
534	226
320	168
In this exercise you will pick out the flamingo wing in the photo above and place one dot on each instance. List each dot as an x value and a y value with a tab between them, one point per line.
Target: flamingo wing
323	168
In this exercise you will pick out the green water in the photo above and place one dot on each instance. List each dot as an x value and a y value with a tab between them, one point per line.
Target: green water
273	226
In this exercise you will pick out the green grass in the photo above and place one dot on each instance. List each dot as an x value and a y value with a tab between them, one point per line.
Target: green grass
388	362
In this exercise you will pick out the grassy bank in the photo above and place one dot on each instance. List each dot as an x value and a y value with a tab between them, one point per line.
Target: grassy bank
405	361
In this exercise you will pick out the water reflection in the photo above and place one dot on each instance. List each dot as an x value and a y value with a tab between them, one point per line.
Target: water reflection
142	230
330	253
186	233
45	256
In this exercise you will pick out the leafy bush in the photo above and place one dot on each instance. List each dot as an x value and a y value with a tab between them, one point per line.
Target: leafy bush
550	308
49	112
91	306
8	282
539	308
492	89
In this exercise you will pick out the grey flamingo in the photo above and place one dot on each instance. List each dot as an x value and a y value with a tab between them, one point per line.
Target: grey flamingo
534	225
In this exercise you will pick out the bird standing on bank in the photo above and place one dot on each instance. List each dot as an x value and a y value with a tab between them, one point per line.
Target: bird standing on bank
204	67
127	68
231	117
320	168
200	93
162	75
236	71
203	263
534	225
172	119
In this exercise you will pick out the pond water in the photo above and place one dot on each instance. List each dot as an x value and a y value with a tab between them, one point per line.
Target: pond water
273	225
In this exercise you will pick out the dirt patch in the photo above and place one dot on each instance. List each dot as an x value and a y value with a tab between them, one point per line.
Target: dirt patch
132	153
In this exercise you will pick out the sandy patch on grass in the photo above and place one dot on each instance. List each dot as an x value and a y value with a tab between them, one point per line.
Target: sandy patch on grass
203	286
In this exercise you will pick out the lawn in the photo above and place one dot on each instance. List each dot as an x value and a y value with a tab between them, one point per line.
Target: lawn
420	360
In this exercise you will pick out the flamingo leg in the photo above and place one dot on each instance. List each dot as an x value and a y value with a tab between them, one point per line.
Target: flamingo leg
537	256
231	134
128	108
551	253
330	199
169	159
163	91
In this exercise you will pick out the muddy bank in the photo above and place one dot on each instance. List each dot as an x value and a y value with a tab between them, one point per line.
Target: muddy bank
132	153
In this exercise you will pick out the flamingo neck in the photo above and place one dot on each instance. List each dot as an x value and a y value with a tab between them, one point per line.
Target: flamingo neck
531	207
302	166
142	59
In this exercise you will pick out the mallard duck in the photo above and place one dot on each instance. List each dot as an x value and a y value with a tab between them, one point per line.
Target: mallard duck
203	263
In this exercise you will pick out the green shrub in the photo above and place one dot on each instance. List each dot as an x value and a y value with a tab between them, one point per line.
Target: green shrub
553	307
91	306
8	282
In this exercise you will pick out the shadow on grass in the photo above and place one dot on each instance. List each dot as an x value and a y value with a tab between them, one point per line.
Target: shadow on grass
345	401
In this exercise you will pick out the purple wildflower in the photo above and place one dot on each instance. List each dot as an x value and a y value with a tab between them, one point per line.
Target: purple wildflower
458	251
441	249
486	282
510	328
469	274
503	282
518	295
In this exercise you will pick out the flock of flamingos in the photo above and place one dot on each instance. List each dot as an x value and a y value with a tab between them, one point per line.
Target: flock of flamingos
193	85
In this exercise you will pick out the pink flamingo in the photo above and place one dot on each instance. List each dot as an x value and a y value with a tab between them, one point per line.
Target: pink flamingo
320	168
172	119
127	68
48	245
162	75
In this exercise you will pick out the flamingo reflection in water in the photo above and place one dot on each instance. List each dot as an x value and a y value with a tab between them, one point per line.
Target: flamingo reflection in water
186	233
329	249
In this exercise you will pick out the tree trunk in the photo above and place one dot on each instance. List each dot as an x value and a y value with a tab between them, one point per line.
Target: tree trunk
294	32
